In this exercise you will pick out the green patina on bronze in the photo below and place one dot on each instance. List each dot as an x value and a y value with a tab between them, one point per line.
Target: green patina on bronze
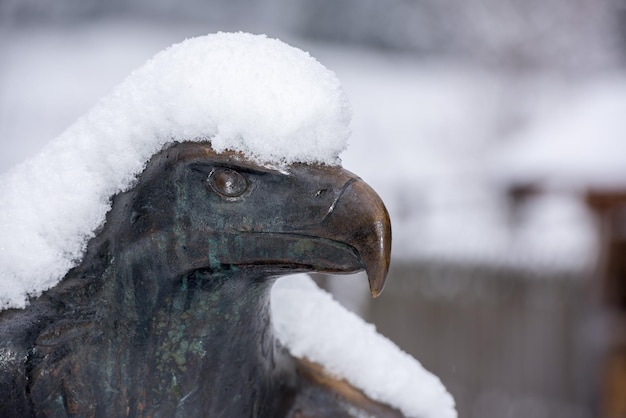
168	313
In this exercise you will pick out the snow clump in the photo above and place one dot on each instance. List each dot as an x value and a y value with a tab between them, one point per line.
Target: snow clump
312	325
248	93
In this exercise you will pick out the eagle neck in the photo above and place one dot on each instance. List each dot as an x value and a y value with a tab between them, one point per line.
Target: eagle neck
210	348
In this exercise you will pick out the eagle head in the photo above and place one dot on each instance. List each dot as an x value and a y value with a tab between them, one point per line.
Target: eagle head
216	211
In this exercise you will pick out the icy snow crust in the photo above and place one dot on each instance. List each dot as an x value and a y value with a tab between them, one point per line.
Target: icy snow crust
314	326
248	93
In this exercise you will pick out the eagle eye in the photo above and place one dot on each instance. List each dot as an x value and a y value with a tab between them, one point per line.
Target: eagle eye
227	183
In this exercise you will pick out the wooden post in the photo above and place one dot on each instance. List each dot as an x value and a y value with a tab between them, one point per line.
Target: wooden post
609	207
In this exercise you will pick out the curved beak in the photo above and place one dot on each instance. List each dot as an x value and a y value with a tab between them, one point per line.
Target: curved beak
359	219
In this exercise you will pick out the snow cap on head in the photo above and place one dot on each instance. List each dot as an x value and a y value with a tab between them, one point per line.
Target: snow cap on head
248	93
273	102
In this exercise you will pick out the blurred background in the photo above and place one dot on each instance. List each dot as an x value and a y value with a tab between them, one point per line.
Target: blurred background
494	130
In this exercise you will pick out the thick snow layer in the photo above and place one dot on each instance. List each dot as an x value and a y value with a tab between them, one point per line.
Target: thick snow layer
314	326
243	92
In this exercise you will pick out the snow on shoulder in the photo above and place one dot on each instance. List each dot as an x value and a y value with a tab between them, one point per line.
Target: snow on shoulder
313	325
248	93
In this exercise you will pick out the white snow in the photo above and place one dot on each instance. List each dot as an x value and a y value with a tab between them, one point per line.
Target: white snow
243	92
579	143
314	326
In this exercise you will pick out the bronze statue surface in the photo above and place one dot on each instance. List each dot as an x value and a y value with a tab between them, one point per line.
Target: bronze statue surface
168	312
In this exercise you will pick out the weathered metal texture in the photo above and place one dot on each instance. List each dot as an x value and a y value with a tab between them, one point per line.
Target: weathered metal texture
168	312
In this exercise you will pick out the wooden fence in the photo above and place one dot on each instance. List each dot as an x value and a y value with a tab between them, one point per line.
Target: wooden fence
506	342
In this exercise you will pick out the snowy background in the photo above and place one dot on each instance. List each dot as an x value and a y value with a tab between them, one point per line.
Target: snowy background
456	103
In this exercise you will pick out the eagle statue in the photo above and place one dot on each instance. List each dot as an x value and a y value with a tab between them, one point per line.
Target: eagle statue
156	303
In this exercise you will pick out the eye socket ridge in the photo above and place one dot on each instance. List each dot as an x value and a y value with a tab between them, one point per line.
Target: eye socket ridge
228	183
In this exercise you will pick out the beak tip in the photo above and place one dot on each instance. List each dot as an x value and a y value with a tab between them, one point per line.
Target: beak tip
377	283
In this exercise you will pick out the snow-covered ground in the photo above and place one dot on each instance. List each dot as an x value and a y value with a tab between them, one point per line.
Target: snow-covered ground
437	140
